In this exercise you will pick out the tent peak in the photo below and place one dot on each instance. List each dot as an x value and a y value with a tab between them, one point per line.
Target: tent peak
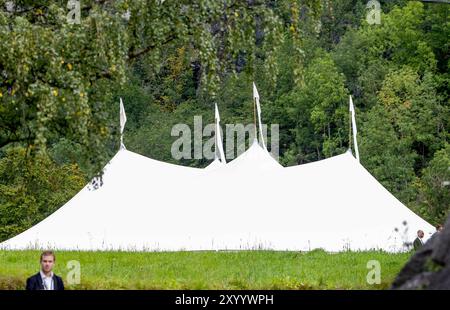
255	156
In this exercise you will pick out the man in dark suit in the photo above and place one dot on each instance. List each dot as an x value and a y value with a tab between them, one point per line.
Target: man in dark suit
45	279
417	244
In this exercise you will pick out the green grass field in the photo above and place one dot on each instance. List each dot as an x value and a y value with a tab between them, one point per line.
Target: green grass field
208	270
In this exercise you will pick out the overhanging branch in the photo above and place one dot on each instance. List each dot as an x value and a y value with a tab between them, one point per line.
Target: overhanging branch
147	49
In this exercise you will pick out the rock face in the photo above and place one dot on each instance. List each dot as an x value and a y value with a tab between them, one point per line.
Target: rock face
429	268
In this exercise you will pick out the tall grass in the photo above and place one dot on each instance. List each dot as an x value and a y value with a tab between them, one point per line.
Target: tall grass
208	269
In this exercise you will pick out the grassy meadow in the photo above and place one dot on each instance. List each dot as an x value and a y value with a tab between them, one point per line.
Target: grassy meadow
208	269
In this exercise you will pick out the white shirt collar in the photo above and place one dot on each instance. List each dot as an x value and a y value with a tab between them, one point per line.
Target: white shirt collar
43	276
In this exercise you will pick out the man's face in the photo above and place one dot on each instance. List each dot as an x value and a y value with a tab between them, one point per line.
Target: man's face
47	263
420	234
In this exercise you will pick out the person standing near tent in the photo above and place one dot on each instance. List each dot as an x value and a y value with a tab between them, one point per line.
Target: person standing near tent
45	279
417	244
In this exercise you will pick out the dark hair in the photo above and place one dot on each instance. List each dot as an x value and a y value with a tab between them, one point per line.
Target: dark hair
48	253
439	226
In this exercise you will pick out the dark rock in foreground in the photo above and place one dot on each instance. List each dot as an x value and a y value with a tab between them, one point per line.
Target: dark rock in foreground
429	268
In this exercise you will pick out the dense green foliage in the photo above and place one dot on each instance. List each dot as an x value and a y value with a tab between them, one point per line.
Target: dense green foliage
171	60
31	189
208	270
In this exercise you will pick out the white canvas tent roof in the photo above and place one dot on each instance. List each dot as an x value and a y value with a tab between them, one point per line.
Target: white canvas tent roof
250	203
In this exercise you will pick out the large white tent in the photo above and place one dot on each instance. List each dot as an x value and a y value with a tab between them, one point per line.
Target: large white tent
250	203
